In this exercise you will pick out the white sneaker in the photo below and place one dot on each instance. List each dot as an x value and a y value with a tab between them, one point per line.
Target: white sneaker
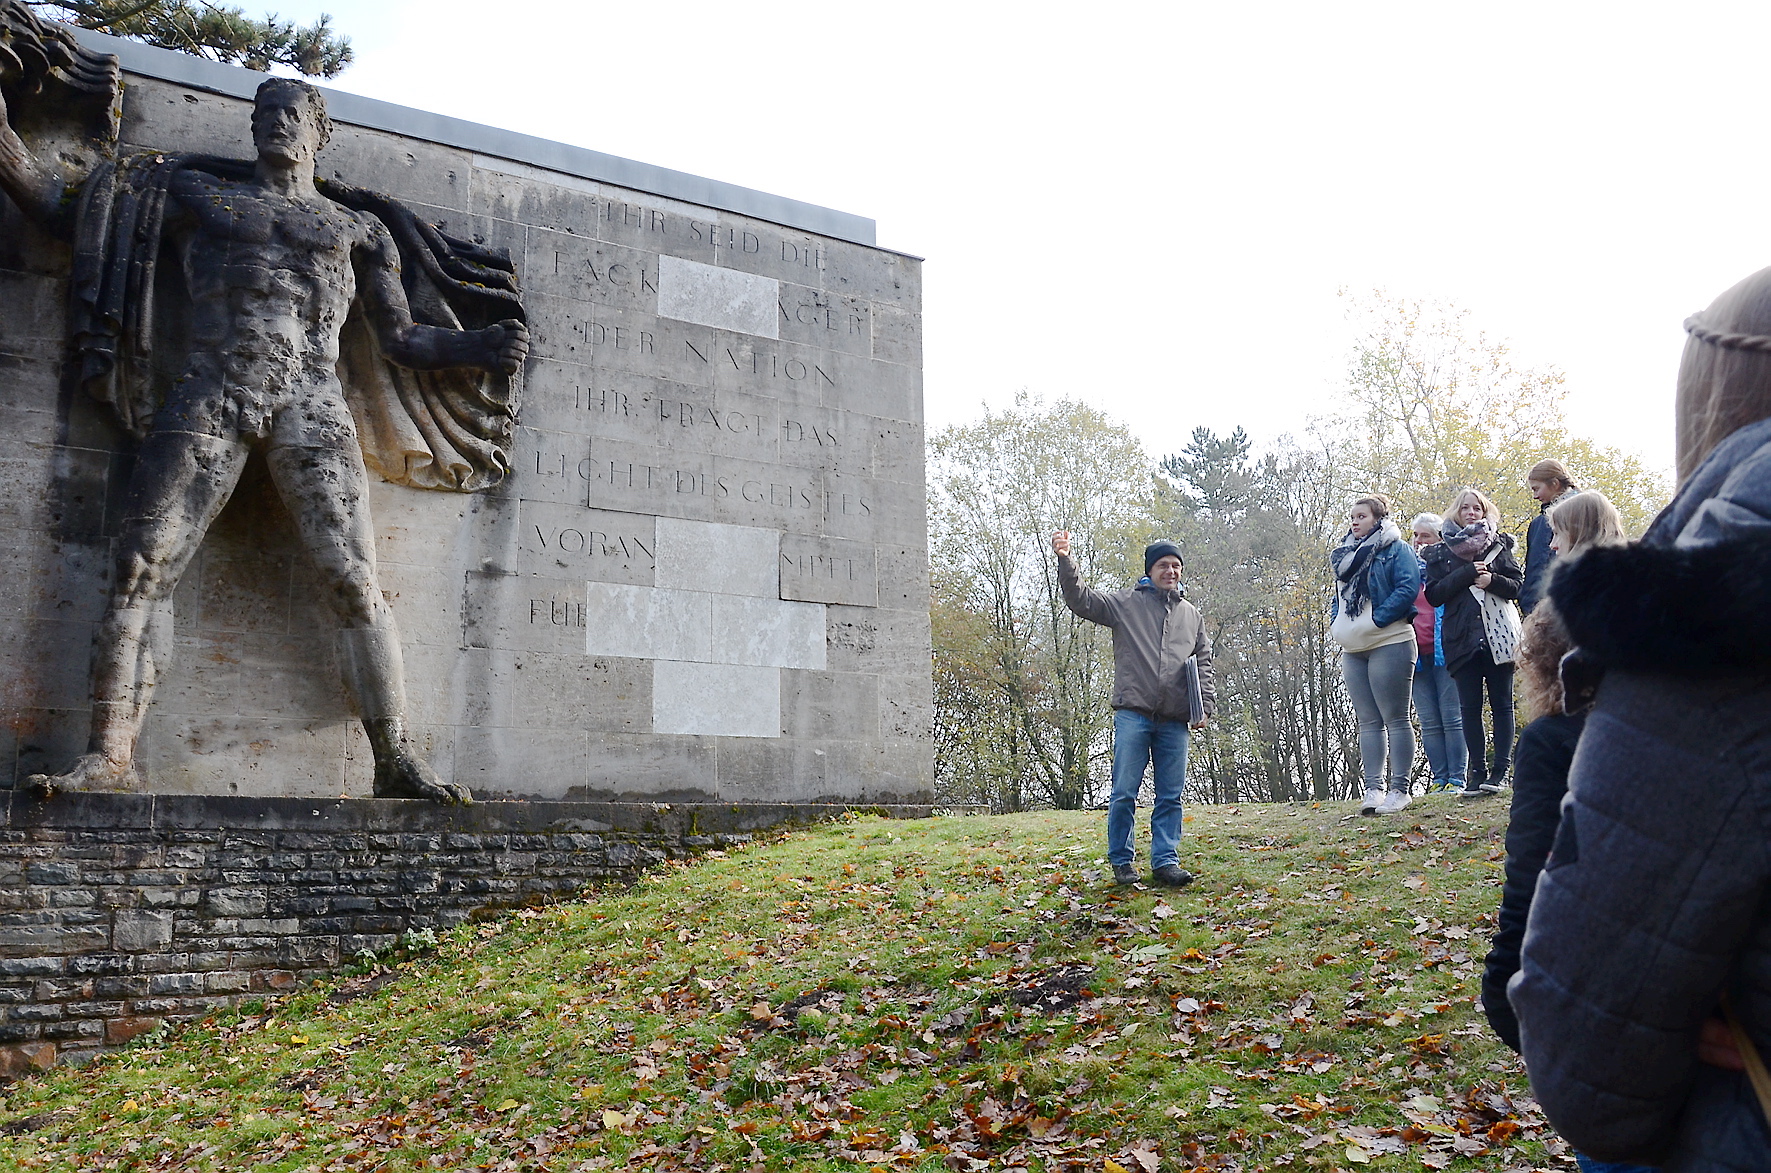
1373	800
1396	800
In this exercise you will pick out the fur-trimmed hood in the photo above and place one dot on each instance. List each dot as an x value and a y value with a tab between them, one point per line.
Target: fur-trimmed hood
1667	609
1692	597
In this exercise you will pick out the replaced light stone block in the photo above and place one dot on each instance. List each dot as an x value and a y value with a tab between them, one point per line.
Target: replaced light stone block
648	623
766	631
721	559
654	623
721	700
722	298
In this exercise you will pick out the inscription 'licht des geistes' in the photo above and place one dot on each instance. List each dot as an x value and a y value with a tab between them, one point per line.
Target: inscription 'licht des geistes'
650	478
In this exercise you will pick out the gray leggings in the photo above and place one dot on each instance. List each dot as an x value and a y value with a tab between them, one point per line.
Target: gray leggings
1378	681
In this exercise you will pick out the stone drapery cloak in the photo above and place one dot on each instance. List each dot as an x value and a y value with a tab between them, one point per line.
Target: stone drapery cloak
449	430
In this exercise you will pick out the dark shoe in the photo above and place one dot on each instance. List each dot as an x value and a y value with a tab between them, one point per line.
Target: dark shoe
1494	785
1124	873
1170	875
1474	789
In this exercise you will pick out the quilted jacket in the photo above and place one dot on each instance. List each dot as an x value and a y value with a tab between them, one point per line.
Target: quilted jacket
1654	899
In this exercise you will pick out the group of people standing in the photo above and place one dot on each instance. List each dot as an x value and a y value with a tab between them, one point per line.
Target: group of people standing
1632	963
1436	620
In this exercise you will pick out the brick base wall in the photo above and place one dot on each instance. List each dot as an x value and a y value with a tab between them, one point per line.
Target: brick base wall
119	912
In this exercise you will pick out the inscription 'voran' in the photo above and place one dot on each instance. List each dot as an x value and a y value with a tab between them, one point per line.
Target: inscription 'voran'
595	543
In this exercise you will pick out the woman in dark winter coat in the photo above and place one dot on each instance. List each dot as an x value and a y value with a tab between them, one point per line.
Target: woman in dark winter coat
1476	559
1653	913
1540	767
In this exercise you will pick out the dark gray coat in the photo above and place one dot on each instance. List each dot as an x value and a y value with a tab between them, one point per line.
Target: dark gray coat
1154	632
1654	898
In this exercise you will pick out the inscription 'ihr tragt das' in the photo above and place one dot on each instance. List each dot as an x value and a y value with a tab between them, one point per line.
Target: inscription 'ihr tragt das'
698	416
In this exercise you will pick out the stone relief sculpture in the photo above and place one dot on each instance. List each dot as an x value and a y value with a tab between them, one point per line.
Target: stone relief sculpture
225	307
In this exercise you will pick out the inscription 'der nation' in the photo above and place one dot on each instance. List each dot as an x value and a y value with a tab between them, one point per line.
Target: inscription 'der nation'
753	362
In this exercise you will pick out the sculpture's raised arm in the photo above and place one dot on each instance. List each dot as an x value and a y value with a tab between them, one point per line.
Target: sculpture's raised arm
37	192
501	346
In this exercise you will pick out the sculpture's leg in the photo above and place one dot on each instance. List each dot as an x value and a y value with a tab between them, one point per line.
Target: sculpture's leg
181	481
326	491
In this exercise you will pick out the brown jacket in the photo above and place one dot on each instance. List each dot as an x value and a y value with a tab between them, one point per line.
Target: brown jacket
1154	631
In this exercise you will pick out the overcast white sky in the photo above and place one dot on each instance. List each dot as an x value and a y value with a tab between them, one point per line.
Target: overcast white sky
1151	206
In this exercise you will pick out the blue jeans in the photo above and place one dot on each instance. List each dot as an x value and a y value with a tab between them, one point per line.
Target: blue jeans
1137	742
1441	723
1588	1165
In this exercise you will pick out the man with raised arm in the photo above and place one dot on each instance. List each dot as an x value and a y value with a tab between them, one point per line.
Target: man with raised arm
272	269
1156	632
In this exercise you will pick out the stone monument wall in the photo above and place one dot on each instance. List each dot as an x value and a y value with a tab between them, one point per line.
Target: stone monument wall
705	579
120	912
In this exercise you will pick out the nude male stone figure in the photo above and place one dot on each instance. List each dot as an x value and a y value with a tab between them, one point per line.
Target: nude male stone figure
272	268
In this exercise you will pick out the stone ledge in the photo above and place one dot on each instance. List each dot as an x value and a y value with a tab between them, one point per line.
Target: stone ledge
200	812
91	956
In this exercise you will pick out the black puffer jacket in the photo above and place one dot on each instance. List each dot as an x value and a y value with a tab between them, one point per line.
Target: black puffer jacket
1449	579
1656	897
1540	779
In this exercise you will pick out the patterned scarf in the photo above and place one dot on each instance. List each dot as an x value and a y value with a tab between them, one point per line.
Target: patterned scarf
1351	562
1468	542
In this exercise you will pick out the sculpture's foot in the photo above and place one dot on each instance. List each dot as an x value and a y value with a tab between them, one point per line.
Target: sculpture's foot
90	772
404	775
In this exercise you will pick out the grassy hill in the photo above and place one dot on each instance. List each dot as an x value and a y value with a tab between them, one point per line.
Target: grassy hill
956	993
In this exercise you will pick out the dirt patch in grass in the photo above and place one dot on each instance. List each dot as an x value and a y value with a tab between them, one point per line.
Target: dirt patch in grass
1055	989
